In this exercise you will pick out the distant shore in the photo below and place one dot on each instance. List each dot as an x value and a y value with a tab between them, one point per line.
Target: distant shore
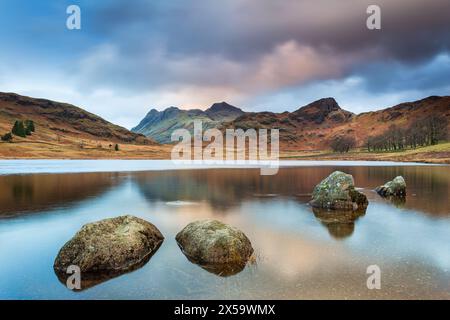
437	154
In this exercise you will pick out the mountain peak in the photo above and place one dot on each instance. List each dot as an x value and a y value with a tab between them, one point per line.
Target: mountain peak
319	110
171	108
157	123
325	105
219	106
222	111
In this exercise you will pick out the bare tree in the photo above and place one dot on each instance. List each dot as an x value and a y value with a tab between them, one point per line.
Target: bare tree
342	143
422	132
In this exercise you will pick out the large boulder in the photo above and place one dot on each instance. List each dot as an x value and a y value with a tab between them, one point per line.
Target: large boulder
337	192
215	246
112	245
394	188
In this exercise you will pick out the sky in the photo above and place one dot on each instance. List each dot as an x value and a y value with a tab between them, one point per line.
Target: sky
259	55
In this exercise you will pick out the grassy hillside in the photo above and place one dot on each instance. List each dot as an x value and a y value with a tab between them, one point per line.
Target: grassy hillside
315	125
56	120
65	131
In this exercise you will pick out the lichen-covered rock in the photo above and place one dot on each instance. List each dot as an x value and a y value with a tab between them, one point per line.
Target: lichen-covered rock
396	188
110	245
337	192
210	243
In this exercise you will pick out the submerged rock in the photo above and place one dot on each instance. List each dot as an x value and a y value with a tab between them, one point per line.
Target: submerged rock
215	246
108	248
337	192
396	188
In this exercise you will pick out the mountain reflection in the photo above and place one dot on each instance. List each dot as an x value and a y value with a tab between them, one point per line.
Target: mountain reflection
428	187
225	189
31	193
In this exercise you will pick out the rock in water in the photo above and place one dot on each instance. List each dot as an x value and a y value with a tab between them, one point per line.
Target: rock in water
337	192
112	245
215	246
396	188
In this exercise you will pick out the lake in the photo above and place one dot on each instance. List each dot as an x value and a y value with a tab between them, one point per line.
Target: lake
299	254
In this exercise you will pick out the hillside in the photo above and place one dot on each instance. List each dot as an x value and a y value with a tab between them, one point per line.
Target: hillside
313	126
159	125
66	131
59	120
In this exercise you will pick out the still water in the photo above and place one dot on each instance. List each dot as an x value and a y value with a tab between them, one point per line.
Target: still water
299	255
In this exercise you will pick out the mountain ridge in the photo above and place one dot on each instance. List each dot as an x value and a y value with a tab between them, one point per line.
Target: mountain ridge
314	125
308	127
159	124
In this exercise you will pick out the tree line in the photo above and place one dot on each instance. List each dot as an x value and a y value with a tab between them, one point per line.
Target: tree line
343	144
423	132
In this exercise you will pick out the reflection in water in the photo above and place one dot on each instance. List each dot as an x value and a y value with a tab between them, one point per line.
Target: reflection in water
298	252
340	224
91	279
399	202
224	189
28	193
220	269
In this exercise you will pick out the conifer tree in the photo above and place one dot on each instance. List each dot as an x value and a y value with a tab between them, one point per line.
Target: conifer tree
19	129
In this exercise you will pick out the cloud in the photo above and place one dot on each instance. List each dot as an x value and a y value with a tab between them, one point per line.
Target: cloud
254	46
135	55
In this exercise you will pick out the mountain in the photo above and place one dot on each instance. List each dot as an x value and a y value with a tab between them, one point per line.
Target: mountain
67	131
222	111
313	126
57	120
159	125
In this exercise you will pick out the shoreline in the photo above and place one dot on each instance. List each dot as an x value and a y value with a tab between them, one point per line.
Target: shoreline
436	154
436	161
66	166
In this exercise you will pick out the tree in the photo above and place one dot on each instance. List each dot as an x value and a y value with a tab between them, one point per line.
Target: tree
19	129
7	137
30	125
342	144
116	147
436	128
422	132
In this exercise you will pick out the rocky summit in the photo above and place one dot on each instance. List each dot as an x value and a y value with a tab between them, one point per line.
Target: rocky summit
159	125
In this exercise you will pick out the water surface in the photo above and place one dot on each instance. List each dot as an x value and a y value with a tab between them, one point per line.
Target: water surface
300	255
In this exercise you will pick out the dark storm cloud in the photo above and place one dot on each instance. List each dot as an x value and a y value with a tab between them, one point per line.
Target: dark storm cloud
191	53
239	29
390	77
199	42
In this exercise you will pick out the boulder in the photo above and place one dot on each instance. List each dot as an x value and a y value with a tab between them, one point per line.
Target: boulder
215	246
395	188
337	192
112	245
